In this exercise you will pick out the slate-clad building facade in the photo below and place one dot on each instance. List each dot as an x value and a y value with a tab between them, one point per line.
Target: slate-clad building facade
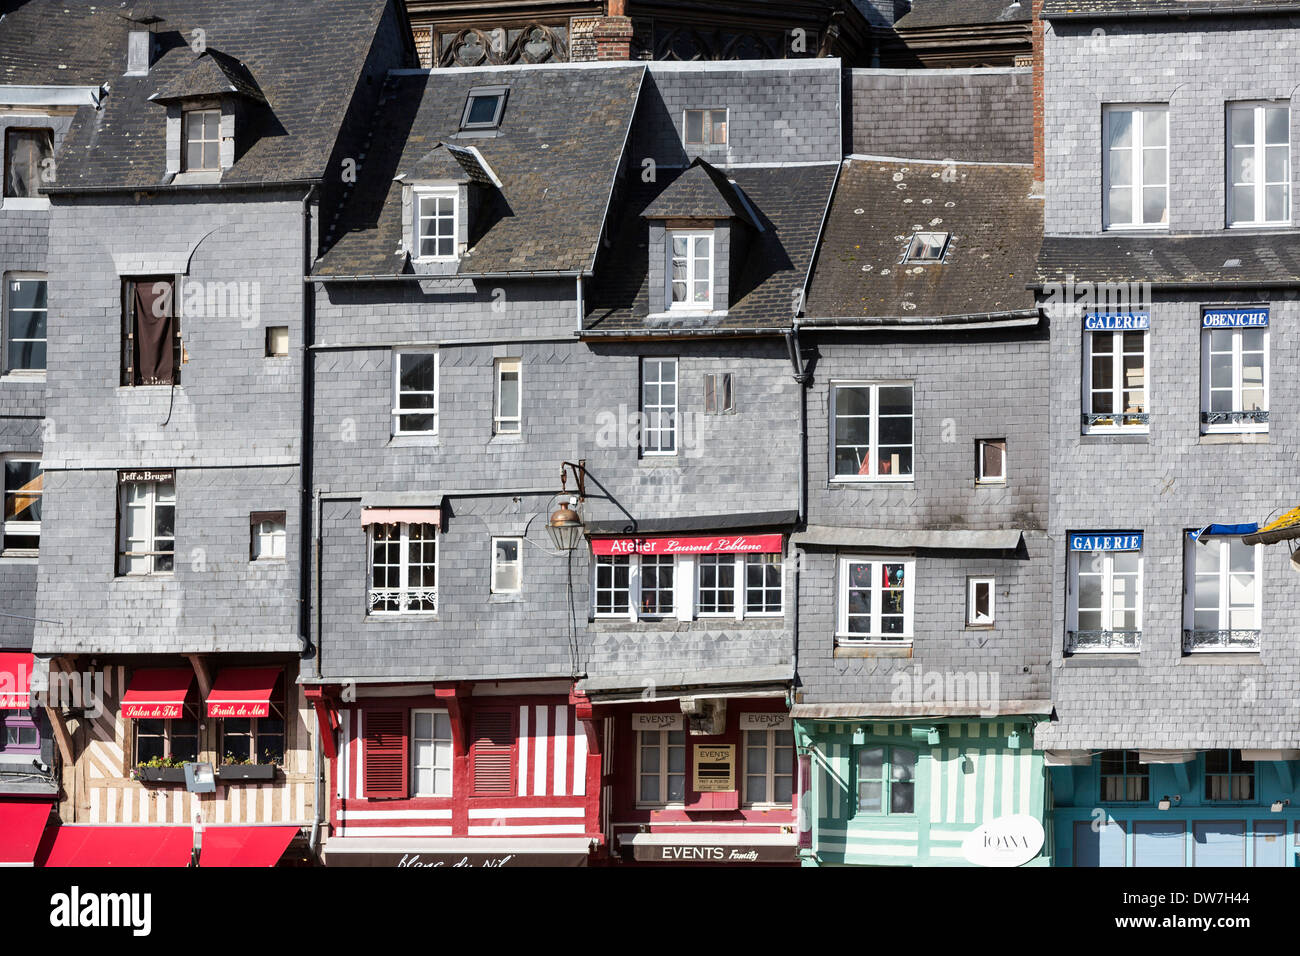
1171	295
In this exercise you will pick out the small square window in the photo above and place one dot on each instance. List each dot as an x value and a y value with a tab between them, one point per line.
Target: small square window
483	107
927	247
706	127
991	461
19	735
202	140
436	231
277	341
507	565
979	602
719	399
268	535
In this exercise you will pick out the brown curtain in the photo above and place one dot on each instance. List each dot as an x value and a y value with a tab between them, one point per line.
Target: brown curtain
155	332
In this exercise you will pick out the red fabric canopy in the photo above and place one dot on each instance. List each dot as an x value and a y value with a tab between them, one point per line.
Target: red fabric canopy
121	846
21	824
244	846
157	693
15	681
371	516
243	692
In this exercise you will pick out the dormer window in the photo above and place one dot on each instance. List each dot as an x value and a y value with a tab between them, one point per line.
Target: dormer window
483	107
436	223
202	140
927	247
690	270
27	151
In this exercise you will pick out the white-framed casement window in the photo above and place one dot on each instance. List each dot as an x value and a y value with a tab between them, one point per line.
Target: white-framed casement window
738	585
1105	601
1234	380
1115	382
871	431
201	135
403	569
1135	166
656	586
991	461
769	768
1224	594
415	393
147	527
690	269
1259	164
705	127
661	768
719	394
979	601
613	585
507	565
25	311
269	535
507	417
657	593
24	485
435	224
658	406
430	753
876	595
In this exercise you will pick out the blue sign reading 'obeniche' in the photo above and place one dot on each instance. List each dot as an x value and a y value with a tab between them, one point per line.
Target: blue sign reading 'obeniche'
1088	541
1255	318
1116	321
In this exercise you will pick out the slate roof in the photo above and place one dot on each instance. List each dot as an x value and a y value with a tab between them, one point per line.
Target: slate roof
212	73
995	226
926	14
556	152
1236	259
307	74
1106	9
789	202
701	192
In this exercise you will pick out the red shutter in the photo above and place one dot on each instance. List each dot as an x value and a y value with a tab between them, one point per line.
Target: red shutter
492	752
385	757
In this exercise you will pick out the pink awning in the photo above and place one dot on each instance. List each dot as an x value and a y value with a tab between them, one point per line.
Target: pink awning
157	693
22	822
91	845
243	692
724	544
15	681
371	516
244	846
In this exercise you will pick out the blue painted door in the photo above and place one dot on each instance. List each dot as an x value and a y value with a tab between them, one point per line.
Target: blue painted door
1159	843
1219	843
1270	843
1099	846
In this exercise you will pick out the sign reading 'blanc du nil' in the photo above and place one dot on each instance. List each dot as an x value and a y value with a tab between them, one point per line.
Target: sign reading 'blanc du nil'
1086	541
1116	321
1255	318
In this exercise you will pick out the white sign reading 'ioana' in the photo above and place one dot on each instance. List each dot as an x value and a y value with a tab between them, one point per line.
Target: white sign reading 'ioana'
1005	841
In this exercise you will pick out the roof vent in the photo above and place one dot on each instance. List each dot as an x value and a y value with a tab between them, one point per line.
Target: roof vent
139	53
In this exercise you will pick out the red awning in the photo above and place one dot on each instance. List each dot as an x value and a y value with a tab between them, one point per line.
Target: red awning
15	681
120	846
720	544
157	693
21	824
244	846
371	516
243	692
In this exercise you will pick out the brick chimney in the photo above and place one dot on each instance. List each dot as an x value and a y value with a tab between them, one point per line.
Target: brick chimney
1040	163
613	34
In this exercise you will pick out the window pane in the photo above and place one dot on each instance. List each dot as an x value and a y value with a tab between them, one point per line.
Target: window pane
1275	125
1121	128
1153	205
695	126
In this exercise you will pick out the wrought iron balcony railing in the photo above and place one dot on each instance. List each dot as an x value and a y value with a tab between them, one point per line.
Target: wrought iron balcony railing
1092	419
1257	416
397	600
1125	641
1205	639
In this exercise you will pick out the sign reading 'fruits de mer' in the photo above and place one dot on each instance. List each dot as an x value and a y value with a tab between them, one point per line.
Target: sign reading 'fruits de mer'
241	709
737	544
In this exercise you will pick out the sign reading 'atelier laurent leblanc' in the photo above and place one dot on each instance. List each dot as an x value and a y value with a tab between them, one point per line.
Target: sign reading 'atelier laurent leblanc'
1089	541
1254	318
1116	321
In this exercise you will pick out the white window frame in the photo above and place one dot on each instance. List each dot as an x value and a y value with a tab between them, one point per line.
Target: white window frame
664	746
503	424
973	617
981	478
398	412
1138	184
740	587
1223	543
873	437
7	331
686	590
26	528
186	139
690	235
611	560
518	565
706	125
403	589
152	552
1107	595
660	382
1237	383
1118	389
421	194
434	714
274	536
769	773
875	637
1258	110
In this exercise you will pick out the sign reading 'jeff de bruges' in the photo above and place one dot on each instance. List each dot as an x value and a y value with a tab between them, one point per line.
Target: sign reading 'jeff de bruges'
1255	318
1116	321
1086	541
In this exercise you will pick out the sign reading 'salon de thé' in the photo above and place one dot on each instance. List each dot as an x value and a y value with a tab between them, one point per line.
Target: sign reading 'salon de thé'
1250	317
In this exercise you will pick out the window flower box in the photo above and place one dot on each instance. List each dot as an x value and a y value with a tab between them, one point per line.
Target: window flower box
246	771
159	774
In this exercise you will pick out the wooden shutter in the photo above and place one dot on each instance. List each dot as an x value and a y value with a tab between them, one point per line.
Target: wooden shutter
492	752
385	758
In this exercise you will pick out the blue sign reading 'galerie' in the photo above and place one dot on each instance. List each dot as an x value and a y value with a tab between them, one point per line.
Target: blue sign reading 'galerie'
1086	541
1234	318
1116	321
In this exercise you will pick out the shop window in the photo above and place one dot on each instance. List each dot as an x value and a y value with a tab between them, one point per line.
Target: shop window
769	768
1124	778
661	768
1229	778
886	780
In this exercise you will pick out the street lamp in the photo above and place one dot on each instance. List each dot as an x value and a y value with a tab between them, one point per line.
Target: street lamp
565	524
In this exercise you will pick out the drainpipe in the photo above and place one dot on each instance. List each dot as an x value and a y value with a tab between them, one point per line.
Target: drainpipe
581	306
802	378
305	457
318	818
